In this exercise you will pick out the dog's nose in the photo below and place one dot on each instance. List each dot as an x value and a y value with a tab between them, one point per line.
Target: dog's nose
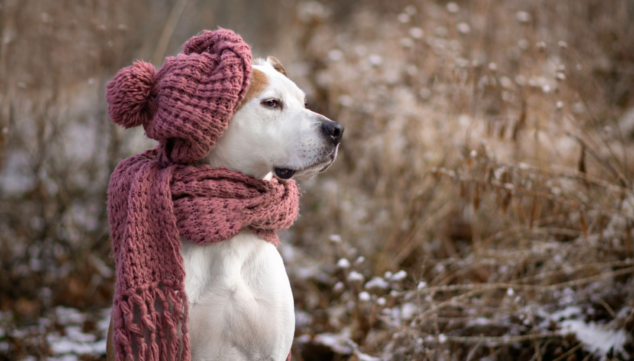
333	131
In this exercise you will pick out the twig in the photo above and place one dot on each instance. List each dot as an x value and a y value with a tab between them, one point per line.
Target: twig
492	340
451	301
473	350
612	111
168	31
491	286
513	188
604	162
411	243
571	351
608	308
576	268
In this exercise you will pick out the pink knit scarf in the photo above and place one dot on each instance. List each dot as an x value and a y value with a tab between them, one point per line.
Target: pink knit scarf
153	205
159	196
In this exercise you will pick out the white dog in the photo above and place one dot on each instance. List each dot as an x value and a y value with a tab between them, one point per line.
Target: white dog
240	300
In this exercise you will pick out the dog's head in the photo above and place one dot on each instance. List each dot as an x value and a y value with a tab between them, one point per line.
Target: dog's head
274	133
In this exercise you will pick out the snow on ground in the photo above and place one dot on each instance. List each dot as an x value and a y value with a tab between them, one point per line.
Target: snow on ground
342	344
75	341
598	339
66	333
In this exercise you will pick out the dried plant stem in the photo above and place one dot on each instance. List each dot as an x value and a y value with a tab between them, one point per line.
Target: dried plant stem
490	286
491	340
530	192
409	244
576	268
569	352
168	30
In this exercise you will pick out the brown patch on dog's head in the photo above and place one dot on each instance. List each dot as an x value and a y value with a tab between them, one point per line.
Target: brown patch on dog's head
258	83
276	64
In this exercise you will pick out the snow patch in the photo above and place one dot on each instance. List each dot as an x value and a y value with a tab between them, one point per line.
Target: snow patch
355	276
597	339
377	282
338	342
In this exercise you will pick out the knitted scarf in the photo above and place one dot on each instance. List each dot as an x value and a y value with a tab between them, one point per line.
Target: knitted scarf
161	195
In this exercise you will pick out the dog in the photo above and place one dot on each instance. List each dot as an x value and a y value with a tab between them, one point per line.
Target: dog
240	300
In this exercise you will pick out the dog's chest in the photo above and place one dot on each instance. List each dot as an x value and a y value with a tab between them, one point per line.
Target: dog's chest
241	305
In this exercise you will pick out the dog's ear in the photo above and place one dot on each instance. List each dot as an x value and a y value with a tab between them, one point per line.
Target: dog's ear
276	64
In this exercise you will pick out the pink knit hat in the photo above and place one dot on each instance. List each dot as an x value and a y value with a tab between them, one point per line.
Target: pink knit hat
187	105
161	195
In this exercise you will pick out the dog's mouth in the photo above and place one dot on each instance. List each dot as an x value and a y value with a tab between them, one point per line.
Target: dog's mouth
333	156
306	172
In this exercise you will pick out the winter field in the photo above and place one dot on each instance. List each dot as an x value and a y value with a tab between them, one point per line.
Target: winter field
481	208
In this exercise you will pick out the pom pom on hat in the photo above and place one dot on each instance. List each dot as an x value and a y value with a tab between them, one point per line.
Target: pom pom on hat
129	93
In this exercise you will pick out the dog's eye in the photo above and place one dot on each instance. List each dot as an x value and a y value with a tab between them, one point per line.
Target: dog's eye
271	103
305	104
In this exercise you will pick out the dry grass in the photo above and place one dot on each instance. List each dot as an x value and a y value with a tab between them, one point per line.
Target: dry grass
481	206
484	159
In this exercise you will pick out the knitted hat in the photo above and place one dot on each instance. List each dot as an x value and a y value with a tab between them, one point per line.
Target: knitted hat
188	103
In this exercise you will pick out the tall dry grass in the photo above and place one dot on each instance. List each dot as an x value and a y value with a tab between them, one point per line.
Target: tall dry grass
484	157
482	200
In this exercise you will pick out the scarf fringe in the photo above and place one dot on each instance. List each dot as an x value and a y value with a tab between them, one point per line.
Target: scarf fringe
155	331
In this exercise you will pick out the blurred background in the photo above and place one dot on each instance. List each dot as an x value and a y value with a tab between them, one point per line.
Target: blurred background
481	206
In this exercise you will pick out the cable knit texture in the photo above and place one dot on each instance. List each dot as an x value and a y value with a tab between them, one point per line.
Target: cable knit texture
160	195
